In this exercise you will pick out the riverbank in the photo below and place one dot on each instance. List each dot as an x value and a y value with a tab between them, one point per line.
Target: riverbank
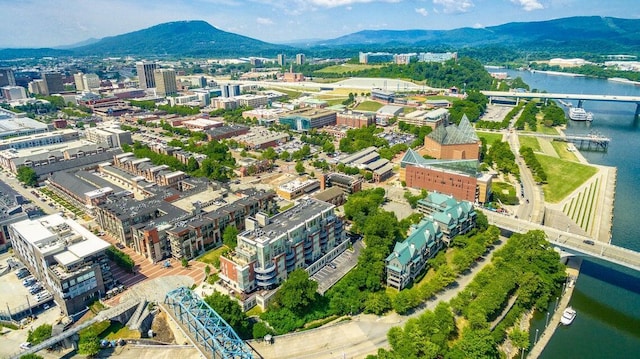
573	271
595	218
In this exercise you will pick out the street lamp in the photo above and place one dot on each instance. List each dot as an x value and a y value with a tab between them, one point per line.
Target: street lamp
547	324
535	341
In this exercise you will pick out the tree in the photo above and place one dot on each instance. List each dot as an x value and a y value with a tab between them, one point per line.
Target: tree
184	262
28	176
230	237
285	156
519	338
300	167
377	303
40	334
260	330
30	356
89	345
269	154
297	292
231	312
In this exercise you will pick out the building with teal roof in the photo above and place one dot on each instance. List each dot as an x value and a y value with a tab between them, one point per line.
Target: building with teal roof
445	218
409	257
452	217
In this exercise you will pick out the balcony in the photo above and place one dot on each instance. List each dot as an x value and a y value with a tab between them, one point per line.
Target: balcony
265	271
307	245
266	282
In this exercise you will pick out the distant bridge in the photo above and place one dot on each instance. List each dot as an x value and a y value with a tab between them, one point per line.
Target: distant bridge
572	242
565	96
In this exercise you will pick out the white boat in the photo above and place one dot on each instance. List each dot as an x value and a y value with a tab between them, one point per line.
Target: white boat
579	114
568	316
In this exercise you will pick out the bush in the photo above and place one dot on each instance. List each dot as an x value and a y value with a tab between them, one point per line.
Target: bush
40	334
121	259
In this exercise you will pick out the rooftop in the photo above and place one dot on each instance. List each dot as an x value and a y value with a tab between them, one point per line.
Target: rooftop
454	135
466	167
281	223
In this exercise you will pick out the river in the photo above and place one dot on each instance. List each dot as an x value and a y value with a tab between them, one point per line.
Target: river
606	296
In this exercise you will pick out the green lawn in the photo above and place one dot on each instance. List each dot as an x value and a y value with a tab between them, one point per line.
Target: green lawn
546	130
212	256
340	69
529	141
490	137
563	177
369	106
561	149
503	187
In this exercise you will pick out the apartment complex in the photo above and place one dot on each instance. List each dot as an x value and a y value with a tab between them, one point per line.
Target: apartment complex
65	257
308	236
40	139
297	188
112	136
445	218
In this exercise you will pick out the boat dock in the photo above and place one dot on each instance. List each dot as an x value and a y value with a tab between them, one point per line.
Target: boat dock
573	270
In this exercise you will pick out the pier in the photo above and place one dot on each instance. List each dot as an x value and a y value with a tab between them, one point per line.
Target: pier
591	142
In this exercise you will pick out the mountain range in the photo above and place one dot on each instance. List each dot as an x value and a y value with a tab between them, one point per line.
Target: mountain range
591	34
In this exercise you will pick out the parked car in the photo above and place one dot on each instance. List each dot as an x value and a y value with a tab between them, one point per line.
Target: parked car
331	265
589	242
25	345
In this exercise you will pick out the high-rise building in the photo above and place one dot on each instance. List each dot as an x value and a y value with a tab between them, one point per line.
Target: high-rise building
77	79
13	93
300	59
230	90
38	87
145	74
165	82
53	83
7	77
282	59
90	82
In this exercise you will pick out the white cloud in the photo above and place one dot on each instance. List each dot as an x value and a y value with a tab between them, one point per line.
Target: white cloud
529	5
422	11
454	6
264	21
337	3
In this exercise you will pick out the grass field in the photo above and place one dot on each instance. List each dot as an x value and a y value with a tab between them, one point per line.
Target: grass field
563	177
546	130
340	69
369	106
490	137
529	141
503	187
212	256
561	149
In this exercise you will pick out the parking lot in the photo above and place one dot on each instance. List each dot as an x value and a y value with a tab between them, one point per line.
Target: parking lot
16	297
343	263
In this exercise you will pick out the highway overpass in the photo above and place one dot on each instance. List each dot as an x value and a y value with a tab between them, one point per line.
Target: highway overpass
572	242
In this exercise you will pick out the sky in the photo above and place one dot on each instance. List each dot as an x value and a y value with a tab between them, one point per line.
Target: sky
50	23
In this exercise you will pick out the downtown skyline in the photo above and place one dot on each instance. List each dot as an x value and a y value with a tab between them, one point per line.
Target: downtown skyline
58	23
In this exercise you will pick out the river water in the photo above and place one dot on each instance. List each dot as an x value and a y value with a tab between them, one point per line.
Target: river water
606	296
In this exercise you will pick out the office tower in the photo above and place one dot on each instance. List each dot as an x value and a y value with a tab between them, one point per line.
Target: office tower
90	82
77	79
7	77
165	82
53	83
300	59
13	93
281	59
145	74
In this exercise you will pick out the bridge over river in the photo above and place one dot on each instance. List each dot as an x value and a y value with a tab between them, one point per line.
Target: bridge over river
566	96
571	242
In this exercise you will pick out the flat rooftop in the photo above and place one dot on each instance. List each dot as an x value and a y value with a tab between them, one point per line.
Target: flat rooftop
305	209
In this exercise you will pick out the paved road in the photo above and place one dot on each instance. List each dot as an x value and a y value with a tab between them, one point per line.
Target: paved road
356	338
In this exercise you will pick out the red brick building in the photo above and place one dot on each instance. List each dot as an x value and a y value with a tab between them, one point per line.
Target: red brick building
452	142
